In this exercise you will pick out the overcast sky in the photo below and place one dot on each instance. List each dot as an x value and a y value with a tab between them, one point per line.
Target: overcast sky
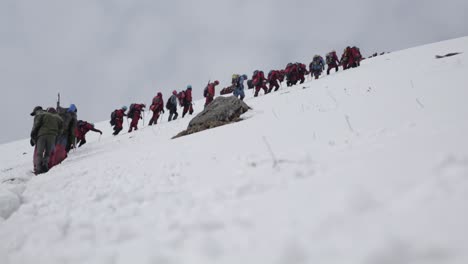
101	55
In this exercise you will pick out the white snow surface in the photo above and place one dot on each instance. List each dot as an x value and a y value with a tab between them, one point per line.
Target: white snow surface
368	165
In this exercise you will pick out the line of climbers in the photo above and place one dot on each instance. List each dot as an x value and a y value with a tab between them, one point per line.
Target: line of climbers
56	131
293	73
136	110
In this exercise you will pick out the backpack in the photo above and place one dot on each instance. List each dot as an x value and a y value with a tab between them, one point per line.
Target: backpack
80	125
112	119
235	80
131	111
261	74
181	97
156	100
250	84
329	58
205	91
316	65
300	68
169	105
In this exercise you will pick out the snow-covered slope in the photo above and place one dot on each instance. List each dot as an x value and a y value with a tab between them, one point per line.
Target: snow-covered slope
368	165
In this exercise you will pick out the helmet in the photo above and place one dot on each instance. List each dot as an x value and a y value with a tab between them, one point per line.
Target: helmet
143	105
37	108
159	94
124	108
72	108
244	76
189	86
216	82
174	92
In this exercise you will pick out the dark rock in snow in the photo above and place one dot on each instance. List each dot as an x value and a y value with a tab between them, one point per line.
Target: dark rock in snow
222	111
447	55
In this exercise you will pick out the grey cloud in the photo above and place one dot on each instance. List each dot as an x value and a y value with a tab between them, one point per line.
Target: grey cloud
103	54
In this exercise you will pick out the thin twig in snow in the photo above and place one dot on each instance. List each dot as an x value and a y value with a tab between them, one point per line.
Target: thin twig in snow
349	123
275	161
333	98
274	113
419	103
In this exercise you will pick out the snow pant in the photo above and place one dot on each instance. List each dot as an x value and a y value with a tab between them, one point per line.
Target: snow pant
154	118
239	93
59	153
70	143
208	100
331	66
134	123
302	78
345	65
173	112
249	84
260	86
187	108
44	146
291	81
351	63
316	73
273	83
118	126
357	62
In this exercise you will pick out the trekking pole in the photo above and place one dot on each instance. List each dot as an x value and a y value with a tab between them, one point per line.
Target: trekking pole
58	101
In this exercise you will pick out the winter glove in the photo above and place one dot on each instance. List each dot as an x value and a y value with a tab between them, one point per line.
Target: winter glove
32	142
100	132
